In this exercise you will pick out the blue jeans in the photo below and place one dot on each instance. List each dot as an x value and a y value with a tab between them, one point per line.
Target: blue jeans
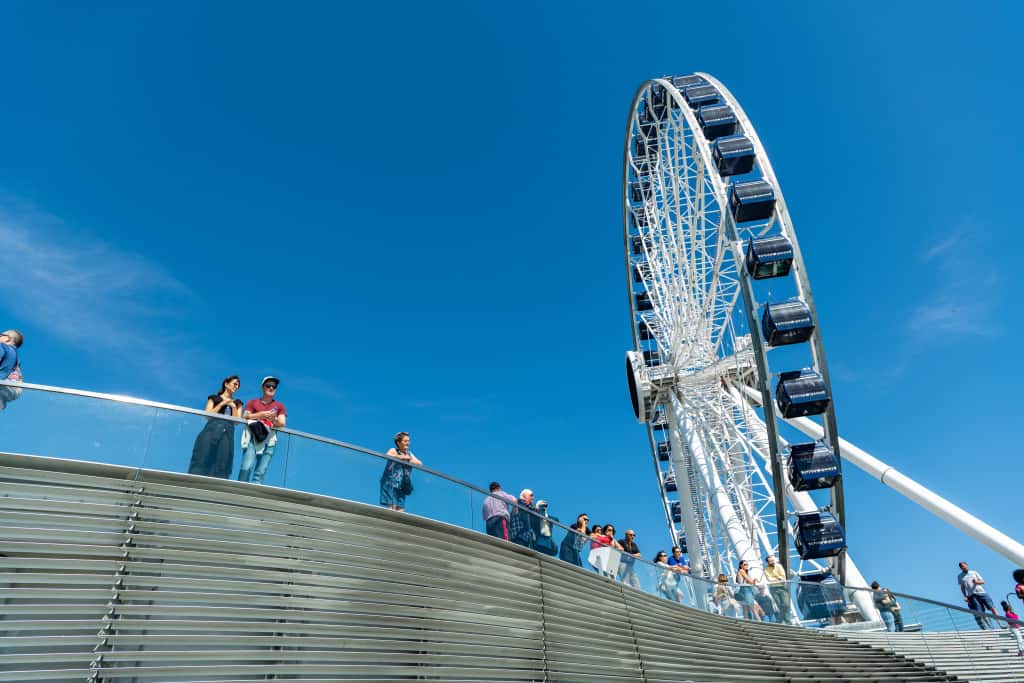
889	619
262	462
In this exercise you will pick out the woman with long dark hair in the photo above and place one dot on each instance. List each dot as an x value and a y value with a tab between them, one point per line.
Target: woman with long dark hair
214	451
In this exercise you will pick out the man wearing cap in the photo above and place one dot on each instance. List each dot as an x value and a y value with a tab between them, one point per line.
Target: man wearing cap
258	442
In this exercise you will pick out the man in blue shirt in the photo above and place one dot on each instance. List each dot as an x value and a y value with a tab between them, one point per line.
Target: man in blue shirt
10	342
677	560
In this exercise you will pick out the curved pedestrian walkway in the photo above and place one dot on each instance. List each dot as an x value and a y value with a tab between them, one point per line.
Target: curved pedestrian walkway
113	573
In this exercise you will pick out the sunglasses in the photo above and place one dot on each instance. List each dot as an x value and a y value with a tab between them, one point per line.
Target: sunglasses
270	386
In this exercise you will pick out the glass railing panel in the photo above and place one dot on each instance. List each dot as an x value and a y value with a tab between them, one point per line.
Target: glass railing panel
62	425
333	470
209	445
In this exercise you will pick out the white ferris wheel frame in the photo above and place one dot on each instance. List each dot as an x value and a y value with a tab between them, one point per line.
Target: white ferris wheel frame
708	499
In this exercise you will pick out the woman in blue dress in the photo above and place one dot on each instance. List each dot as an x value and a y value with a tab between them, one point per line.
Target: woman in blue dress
393	483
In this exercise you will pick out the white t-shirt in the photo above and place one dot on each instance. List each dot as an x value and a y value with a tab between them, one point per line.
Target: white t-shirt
969	583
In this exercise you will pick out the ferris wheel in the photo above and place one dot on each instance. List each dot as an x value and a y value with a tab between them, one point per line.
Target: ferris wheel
726	341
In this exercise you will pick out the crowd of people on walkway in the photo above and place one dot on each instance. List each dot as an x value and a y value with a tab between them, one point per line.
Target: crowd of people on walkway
757	594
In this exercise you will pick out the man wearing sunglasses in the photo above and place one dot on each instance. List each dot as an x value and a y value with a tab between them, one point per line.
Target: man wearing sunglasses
630	551
265	415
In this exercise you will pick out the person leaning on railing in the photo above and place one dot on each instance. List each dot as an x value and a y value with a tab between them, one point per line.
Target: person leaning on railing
495	511
778	588
10	365
630	552
266	415
213	453
571	548
396	481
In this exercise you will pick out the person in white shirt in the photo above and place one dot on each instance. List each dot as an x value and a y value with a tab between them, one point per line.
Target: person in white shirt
975	595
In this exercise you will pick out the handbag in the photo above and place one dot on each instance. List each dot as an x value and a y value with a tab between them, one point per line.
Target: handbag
259	431
405	488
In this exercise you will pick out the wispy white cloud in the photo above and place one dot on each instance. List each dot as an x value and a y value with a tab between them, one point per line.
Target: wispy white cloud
91	294
965	297
940	247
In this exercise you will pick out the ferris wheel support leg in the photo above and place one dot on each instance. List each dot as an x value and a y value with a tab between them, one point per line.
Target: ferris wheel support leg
746	548
682	465
925	497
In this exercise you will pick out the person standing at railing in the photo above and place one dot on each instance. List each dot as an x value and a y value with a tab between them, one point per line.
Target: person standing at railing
266	415
977	598
1015	626
213	453
885	603
778	588
1018	578
572	545
745	594
725	598
524	524
630	551
396	481
10	365
545	541
496	511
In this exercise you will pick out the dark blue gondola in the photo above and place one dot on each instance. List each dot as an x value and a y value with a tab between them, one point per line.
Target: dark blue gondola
698	96
677	511
644	332
638	218
644	147
658	100
734	155
819	596
638	272
643	302
812	466
658	421
664	451
638	189
636	245
753	200
652	358
717	121
789	322
682	82
769	257
670	482
817	535
800	393
681	541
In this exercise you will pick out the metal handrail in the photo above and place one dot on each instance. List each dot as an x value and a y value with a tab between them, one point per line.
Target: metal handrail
132	400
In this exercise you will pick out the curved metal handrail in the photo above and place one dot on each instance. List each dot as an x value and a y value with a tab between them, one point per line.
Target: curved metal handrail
131	400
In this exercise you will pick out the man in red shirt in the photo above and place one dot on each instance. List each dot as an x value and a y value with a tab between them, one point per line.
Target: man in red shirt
272	414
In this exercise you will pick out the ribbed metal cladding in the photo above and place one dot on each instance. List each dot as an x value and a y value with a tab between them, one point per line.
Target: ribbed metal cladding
116	574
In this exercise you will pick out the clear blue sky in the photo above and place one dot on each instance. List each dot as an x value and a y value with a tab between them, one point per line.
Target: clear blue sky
411	212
